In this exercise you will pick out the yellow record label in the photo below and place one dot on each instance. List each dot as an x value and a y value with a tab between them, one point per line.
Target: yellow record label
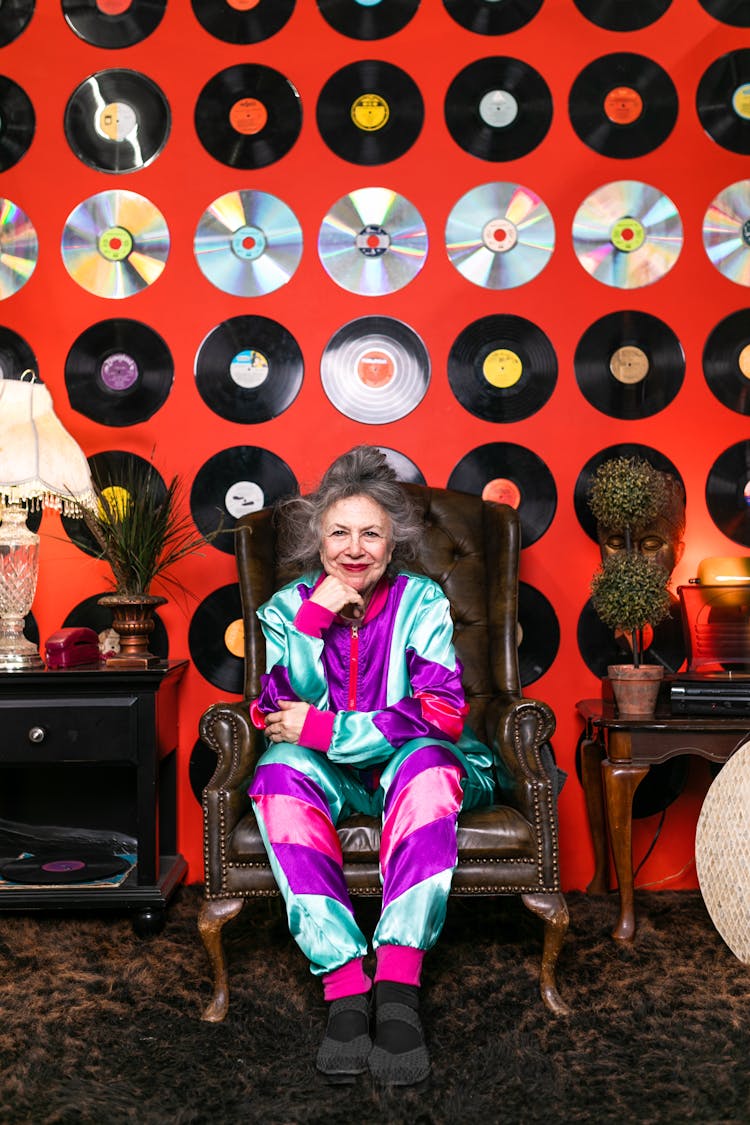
370	112
628	235
629	364
248	116
744	361
116	502
234	638
115	244
741	101
502	368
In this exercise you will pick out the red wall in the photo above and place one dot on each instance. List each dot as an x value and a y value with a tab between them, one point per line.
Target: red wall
51	310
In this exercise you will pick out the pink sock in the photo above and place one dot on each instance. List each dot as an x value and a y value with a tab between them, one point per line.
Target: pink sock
348	980
399	963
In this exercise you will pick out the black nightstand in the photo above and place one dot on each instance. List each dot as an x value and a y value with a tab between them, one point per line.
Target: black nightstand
95	749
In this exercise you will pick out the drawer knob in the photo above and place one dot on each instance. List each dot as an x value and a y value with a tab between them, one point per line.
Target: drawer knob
37	734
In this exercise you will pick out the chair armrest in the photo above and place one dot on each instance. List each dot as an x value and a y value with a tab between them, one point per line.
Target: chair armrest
226	728
518	731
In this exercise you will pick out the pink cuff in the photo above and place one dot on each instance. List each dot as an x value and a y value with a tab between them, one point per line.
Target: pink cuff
313	619
399	963
317	729
349	980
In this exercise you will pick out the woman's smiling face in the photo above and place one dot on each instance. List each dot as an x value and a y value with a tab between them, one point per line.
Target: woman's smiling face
356	542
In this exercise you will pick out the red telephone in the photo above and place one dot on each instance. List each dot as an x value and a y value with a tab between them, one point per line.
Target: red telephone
68	648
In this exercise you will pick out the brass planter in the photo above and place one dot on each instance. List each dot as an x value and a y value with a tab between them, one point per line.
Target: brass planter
133	621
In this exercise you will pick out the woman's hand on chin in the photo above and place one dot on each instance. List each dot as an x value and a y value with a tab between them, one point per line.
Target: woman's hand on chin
336	595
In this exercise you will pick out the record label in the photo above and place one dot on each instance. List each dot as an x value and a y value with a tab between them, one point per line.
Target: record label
248	243
629	365
499	235
372	241
249	369
623	105
248	116
370	112
502	368
627	234
741	101
375	370
510	473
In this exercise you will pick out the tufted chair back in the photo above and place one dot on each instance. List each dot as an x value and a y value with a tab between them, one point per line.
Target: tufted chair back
471	547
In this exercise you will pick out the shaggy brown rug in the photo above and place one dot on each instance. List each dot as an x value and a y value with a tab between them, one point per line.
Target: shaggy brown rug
99	1026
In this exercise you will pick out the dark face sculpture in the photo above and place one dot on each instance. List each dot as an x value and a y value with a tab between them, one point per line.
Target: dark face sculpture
661	541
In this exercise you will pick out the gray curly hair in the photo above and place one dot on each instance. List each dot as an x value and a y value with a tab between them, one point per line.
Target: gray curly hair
363	471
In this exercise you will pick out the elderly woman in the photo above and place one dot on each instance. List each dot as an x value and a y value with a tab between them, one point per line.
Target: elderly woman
363	710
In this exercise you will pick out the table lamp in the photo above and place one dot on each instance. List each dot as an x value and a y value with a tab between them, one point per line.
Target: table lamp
41	466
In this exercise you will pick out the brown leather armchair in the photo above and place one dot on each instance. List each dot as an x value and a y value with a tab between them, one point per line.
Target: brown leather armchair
471	547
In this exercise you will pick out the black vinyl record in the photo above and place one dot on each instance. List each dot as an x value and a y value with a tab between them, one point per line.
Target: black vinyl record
723	101
110	470
487	17
117	121
502	368
629	365
728	492
201	768
622	15
120	28
623	105
372	21
600	646
17	122
498	108
403	466
370	112
216	639
539	633
510	474
233	483
248	115
119	372
249	369
16	356
61	867
583	483
90	615
234	23
14	17
734	12
726	361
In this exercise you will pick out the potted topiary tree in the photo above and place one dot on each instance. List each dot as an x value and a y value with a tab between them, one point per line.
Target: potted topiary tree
630	590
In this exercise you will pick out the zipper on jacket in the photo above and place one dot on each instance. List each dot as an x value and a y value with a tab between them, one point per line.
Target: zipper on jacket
353	668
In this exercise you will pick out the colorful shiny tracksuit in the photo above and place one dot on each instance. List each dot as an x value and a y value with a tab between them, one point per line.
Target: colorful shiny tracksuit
384	735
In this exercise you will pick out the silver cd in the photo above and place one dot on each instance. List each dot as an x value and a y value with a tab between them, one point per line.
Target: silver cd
248	243
115	243
500	235
375	369
627	234
372	241
726	232
19	248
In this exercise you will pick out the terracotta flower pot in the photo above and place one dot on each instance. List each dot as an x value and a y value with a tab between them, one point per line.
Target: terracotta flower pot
636	689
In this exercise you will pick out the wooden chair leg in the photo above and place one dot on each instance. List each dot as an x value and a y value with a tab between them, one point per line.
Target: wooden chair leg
553	910
214	914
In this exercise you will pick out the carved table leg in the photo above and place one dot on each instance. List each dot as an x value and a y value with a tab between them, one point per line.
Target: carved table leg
591	779
620	783
214	914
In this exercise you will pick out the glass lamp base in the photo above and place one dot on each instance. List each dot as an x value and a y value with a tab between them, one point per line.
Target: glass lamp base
21	661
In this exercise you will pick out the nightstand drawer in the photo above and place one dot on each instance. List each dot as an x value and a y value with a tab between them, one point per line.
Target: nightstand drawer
75	730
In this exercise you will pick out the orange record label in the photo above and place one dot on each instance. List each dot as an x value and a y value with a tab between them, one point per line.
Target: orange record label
744	361
629	364
248	116
113	7
375	368
741	101
370	112
623	105
234	638
628	235
502	368
502	491
243	5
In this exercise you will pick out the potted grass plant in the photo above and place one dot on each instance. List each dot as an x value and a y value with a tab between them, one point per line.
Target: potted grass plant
142	530
630	591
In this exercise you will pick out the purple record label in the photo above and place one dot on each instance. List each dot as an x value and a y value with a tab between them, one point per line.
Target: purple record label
64	865
119	371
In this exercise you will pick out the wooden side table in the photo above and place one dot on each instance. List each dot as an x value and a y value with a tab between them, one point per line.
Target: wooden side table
95	748
616	754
